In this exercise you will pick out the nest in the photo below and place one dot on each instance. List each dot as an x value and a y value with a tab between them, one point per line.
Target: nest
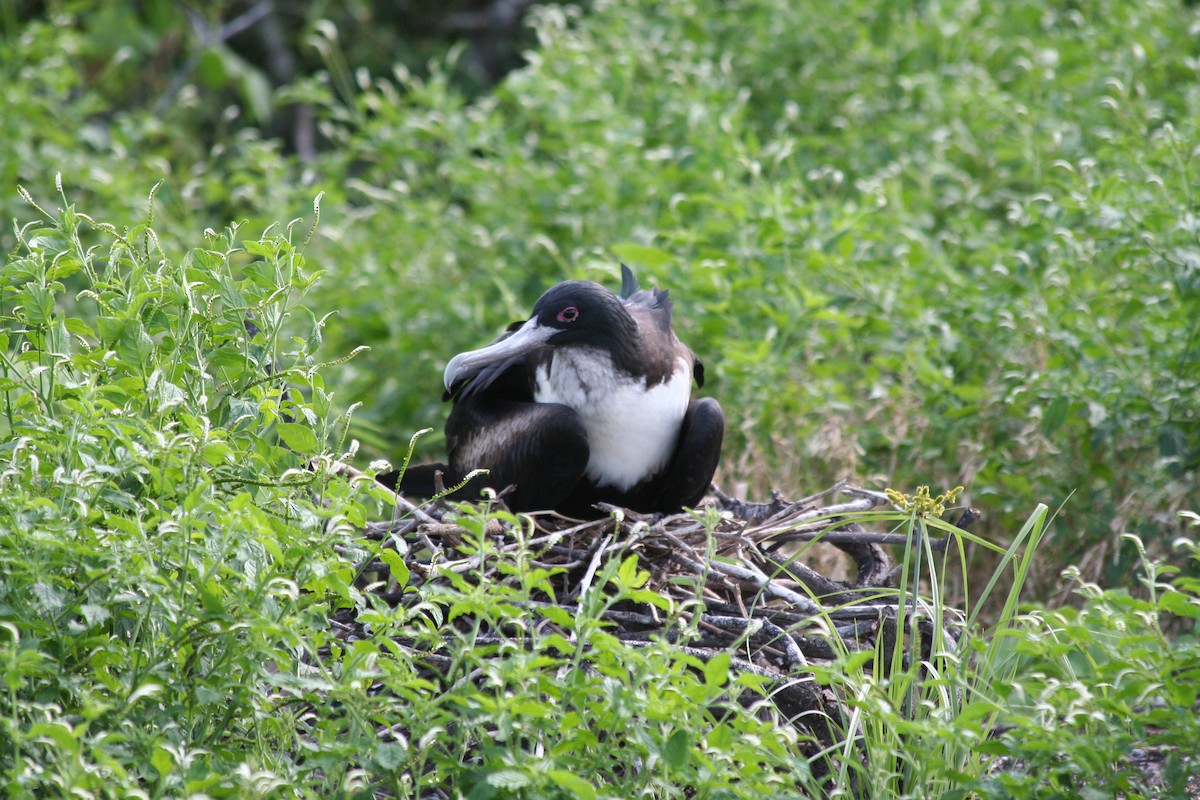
774	615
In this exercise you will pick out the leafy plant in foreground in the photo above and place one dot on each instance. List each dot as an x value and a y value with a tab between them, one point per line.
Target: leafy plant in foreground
159	552
169	569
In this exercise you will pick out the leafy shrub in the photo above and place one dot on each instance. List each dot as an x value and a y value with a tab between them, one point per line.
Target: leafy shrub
170	570
940	241
946	243
161	554
173	580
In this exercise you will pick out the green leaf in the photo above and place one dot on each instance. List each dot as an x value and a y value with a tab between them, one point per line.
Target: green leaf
508	779
1180	604
36	304
1055	415
640	254
628	576
297	437
210	67
256	91
212	596
57	732
721	737
216	453
559	616
650	597
148	689
677	748
77	327
162	761
134	345
560	643
572	783
716	670
390	756
396	566
94	614
63	268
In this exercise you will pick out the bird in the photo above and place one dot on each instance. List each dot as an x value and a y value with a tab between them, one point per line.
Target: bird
587	401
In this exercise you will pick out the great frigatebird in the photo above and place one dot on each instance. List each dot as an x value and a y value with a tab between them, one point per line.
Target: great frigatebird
587	401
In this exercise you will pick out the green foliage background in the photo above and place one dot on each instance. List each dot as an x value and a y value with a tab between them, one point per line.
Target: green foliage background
913	242
947	243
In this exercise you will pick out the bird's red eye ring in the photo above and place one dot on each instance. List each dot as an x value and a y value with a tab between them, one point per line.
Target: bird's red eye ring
568	314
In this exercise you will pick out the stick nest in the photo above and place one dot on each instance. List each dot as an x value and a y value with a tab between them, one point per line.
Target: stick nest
776	615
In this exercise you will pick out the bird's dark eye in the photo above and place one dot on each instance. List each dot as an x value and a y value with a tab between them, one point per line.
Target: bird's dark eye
568	314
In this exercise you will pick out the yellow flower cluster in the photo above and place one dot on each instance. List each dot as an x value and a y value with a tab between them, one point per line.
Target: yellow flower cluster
921	503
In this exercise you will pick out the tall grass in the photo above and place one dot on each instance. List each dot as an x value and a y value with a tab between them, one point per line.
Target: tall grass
922	698
1026	703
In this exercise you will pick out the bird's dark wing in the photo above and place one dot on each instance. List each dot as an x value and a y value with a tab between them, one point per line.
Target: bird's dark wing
687	478
539	449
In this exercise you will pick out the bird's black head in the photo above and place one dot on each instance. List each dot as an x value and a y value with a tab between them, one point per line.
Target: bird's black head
571	314
585	313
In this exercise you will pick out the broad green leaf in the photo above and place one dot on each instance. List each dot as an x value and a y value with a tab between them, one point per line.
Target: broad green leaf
216	453
77	327
297	437
1180	604
640	254
390	756
572	783
508	779
396	565
716	670
558	615
162	761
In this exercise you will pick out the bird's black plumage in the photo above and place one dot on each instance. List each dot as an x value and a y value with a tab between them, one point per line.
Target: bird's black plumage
587	401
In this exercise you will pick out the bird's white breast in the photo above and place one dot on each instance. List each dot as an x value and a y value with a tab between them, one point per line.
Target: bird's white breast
632	429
